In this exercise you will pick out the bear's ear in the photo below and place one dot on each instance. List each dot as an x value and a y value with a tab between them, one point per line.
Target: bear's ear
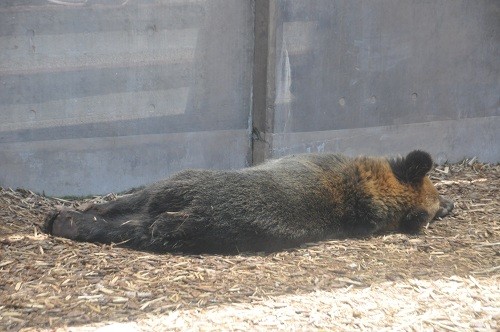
413	167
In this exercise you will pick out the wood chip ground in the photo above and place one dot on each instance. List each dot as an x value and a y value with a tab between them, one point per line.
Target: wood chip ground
446	279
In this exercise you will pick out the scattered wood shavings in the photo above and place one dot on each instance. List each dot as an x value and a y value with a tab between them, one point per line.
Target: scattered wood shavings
446	279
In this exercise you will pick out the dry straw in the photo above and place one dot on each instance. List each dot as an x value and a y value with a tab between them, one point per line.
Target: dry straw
445	279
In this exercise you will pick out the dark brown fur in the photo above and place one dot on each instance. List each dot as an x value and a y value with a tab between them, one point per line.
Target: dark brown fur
276	205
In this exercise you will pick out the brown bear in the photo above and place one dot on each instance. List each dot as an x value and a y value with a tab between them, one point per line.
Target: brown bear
276	205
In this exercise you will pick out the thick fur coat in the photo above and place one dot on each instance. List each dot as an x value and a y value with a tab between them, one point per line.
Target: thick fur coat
276	205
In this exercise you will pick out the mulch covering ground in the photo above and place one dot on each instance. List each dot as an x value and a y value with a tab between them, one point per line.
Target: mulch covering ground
53	283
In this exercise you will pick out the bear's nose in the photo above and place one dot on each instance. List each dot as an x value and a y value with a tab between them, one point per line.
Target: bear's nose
445	207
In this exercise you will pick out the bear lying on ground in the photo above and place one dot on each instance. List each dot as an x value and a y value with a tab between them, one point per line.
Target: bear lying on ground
276	205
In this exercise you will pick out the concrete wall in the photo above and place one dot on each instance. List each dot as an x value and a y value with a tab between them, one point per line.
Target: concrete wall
99	96
102	95
378	77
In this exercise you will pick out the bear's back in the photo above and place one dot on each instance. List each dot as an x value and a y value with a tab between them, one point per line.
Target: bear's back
292	199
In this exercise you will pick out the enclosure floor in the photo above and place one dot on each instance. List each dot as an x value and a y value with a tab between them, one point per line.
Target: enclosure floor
446	278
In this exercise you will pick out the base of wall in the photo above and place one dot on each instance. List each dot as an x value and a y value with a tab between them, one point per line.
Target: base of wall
450	141
113	164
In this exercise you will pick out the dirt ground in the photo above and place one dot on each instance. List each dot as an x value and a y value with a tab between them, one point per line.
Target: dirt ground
446	279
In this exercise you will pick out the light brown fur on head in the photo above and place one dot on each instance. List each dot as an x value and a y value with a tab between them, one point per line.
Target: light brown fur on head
427	197
422	200
408	200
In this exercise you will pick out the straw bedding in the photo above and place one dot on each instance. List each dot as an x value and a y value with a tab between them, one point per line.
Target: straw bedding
444	279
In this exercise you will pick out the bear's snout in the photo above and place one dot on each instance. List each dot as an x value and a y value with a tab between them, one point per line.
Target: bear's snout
445	207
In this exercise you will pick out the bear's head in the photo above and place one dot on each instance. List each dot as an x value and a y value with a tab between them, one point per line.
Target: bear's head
425	203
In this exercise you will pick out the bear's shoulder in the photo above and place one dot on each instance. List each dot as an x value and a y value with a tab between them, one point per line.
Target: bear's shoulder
320	161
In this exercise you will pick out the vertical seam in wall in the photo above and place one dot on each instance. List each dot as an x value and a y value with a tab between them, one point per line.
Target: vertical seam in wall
249	156
263	80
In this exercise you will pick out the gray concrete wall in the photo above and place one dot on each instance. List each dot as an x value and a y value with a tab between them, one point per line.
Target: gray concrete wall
385	76
99	96
103	95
